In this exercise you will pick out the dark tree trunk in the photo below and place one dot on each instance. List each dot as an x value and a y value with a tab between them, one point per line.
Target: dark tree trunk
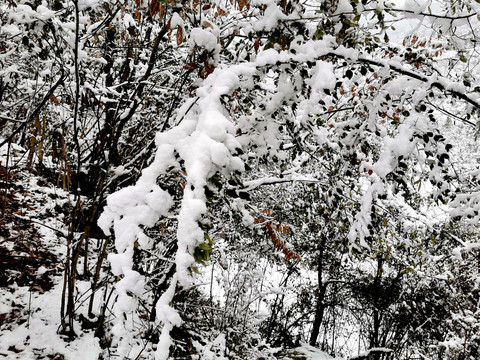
319	311
320	308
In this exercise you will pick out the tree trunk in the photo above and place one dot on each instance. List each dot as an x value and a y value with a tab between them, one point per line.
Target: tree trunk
320	308
319	311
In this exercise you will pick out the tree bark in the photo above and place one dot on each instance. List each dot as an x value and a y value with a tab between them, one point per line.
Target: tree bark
320	308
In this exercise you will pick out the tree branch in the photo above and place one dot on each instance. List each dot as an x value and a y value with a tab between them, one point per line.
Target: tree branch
351	13
434	81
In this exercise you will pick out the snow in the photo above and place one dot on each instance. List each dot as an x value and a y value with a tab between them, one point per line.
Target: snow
400	145
10	29
344	6
128	21
39	334
208	352
271	16
45	13
359	228
372	350
176	21
165	340
203	38
85	4
417	6
322	77
313	353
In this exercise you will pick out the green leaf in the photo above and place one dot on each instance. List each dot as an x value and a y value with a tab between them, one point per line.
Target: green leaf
205	247
463	58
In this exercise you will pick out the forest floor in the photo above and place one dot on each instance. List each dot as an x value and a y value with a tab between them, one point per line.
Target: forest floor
32	254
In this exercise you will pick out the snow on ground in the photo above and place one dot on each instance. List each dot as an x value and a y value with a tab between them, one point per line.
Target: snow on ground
38	335
312	353
32	255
